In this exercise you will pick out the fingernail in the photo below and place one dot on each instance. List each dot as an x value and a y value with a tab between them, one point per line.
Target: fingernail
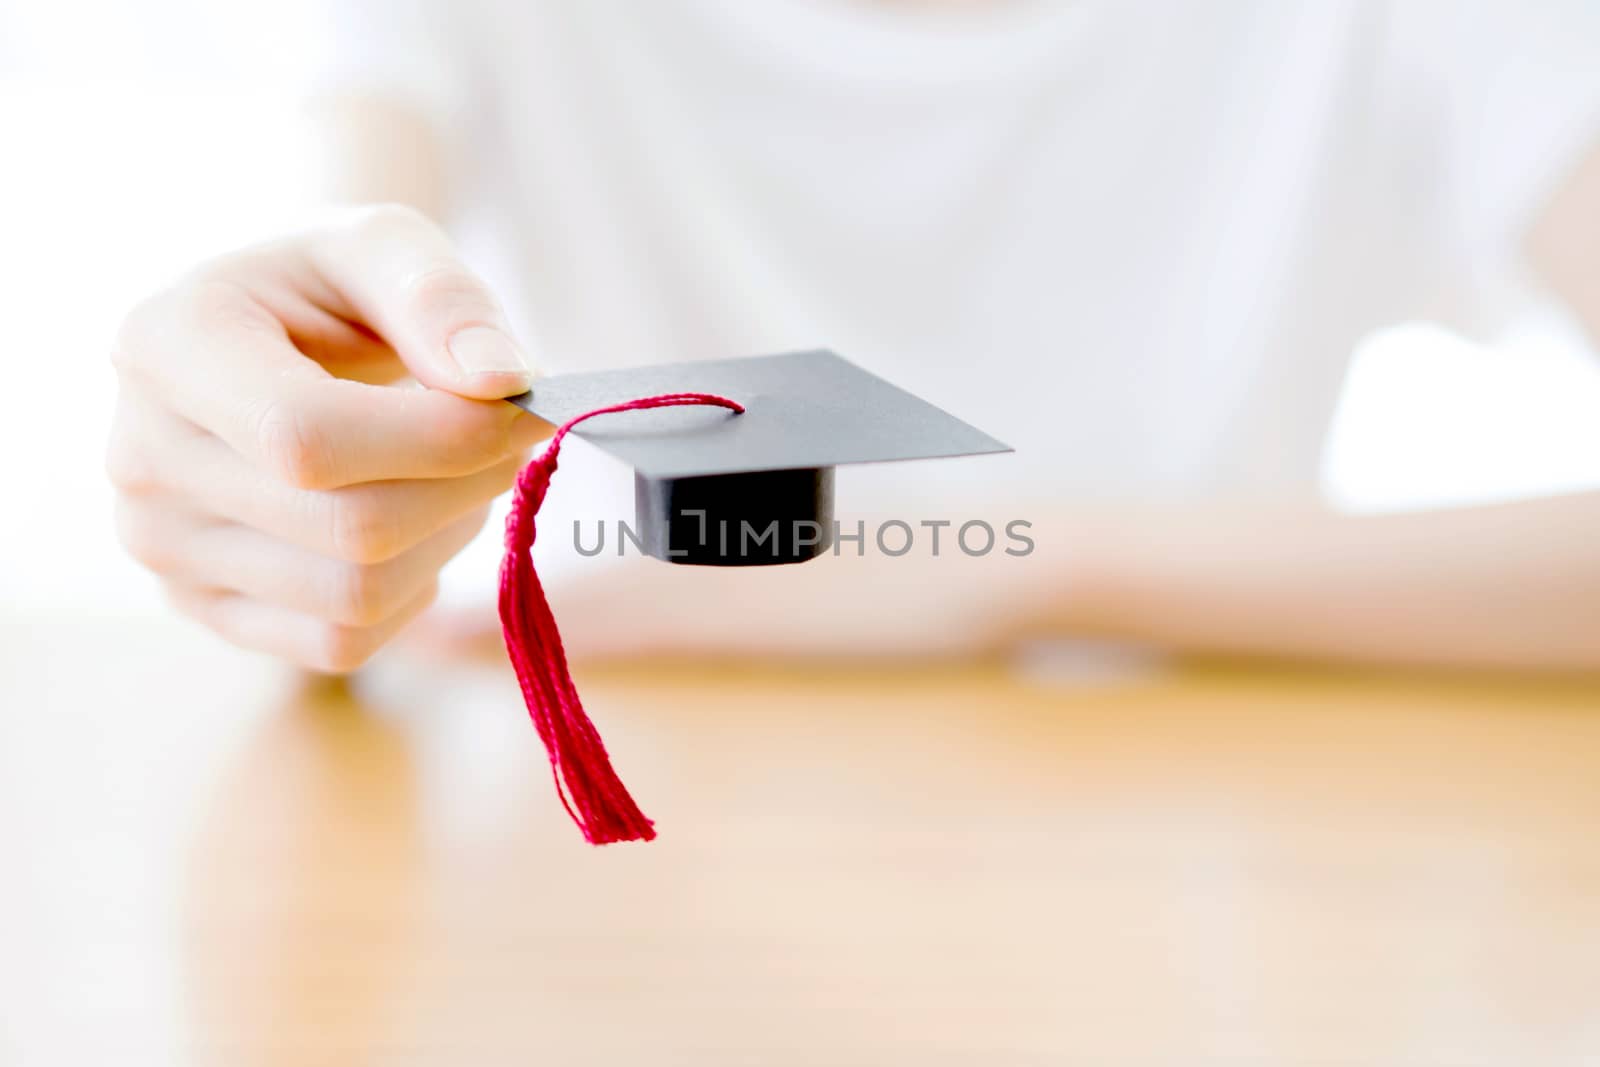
486	350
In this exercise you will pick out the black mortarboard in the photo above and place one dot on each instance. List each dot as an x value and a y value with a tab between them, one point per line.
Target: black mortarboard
713	487
734	465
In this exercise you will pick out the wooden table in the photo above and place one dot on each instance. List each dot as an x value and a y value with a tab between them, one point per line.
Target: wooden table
206	861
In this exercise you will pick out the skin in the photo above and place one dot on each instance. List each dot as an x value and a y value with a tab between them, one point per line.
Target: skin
289	494
294	502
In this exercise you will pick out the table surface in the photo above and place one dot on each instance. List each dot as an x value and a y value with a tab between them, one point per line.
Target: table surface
206	860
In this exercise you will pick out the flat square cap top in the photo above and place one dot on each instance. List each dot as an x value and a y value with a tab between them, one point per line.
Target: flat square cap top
802	410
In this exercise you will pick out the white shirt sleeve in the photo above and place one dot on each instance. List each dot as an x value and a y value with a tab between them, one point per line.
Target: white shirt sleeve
1505	97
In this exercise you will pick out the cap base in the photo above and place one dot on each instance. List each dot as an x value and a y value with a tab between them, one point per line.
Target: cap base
752	519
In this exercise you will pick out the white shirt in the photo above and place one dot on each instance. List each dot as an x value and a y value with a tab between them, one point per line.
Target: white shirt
1135	240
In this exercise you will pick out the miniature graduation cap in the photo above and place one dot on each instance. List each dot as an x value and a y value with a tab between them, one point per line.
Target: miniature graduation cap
755	487
738	474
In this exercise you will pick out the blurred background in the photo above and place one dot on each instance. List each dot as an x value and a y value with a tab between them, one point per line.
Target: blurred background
134	153
140	138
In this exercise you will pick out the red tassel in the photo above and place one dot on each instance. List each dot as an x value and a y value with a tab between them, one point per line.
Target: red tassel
586	783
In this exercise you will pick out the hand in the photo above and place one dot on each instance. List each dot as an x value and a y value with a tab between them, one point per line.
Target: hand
291	494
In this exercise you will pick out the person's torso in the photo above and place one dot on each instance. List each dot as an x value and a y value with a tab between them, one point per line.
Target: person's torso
1138	253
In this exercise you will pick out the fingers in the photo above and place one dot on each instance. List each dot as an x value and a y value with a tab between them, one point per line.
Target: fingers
363	524
343	433
309	641
399	274
293	500
215	355
195	551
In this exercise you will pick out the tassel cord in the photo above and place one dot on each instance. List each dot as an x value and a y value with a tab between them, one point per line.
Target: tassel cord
585	781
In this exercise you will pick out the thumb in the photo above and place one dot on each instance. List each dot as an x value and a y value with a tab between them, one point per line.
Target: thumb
399	275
